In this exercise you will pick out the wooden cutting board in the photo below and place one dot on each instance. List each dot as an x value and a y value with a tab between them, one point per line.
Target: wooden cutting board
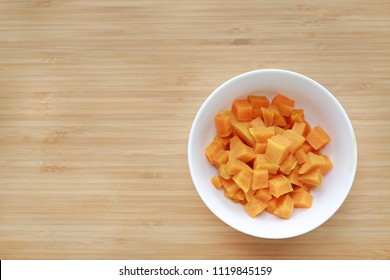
96	103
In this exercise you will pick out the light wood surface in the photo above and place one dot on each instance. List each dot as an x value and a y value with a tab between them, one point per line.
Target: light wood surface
96	103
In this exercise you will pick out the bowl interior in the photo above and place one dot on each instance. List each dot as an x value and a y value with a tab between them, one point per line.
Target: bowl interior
320	108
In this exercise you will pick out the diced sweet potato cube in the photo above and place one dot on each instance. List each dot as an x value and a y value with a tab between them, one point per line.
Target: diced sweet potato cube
296	139
242	110
293	177
297	115
249	194
212	149
255	207
285	109
229	186
233	166
261	134
301	156
256	113
299	127
278	147
243	179
279	130
327	166
257	122
258	101
307	129
242	152
281	99
263	195
285	207
260	148
220	158
262	163
242	131
272	205
279	185
234	141
279	120
313	161
313	177
306	147
238	195
317	138
288	164
216	182
223	125
268	116
225	141
223	172
259	179
302	199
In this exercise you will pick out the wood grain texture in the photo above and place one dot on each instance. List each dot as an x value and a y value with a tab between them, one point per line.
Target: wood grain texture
96	103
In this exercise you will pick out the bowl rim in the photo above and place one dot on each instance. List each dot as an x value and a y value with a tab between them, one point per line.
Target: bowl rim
225	84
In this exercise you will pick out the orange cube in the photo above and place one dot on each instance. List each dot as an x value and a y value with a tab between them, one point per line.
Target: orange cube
225	141
288	164
297	115
249	194
278	147
299	127
258	101
242	110
255	207
281	99
285	207
259	179
261	134
223	125
317	138
296	139
238	195
234	141
268	116
279	130
260	148
257	122
216	182
313	177
229	186
262	163
272	205
285	109
313	161
293	177
220	158
263	195
306	147
279	185
279	120
242	131
243	179
327	166
302	199
301	156
233	166
212	149
223	172
242	152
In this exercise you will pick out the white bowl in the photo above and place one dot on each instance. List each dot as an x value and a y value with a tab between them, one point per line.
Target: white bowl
321	108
